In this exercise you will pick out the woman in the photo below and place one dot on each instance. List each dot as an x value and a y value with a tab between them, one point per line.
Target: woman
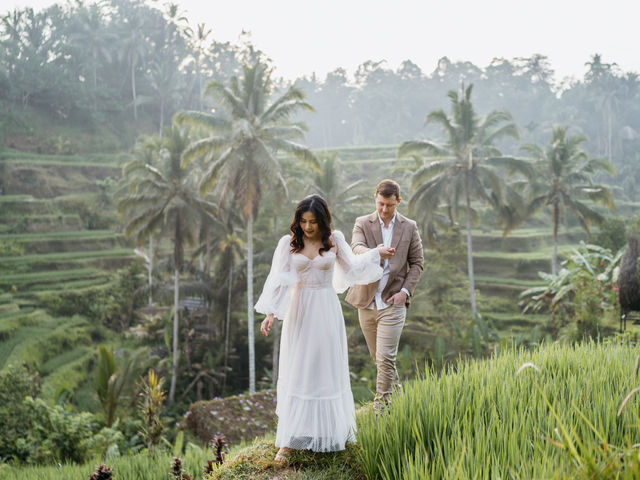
314	401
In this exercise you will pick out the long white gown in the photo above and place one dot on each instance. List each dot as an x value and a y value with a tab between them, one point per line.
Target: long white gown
314	400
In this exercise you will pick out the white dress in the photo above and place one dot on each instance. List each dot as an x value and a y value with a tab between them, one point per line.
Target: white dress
314	400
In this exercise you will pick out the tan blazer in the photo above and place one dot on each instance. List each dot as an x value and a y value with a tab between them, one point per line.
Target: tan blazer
405	267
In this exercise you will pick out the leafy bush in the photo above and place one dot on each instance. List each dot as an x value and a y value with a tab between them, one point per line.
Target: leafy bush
582	293
10	248
16	383
612	234
56	434
34	431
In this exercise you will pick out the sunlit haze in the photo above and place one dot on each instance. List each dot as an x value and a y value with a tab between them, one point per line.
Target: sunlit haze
302	37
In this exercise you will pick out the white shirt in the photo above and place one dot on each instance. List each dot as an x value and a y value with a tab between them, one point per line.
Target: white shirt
387	235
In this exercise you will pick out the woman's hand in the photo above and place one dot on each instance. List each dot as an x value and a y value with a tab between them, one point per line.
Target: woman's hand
265	326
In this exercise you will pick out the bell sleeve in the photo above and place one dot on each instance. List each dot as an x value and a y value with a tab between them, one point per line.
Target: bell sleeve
276	292
352	269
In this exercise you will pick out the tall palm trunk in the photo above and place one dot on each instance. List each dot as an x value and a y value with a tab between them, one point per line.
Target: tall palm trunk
250	318
227	324
133	89
150	270
610	139
95	81
472	286
174	369
178	259
556	221
161	118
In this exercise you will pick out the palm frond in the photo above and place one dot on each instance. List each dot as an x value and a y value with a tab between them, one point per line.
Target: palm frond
203	120
440	117
299	151
418	147
227	97
284	131
204	148
512	165
210	177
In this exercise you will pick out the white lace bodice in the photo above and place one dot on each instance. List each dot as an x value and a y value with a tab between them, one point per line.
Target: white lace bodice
340	270
314	272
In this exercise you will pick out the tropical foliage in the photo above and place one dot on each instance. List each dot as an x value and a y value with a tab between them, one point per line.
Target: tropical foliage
564	181
164	200
465	167
582	293
240	152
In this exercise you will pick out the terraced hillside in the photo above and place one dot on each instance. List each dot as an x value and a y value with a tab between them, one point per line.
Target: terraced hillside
55	236
58	233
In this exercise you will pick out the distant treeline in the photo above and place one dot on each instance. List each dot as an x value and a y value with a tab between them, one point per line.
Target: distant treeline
130	65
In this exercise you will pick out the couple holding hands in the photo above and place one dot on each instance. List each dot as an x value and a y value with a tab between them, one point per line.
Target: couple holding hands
382	266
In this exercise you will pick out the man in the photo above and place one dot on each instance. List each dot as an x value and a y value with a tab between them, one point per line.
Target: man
382	306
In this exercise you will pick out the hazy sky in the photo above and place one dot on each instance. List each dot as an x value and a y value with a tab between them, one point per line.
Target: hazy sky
303	36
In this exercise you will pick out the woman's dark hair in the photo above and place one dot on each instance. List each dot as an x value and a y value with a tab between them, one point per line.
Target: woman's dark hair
316	205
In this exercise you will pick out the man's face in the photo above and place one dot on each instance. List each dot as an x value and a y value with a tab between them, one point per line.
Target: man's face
386	206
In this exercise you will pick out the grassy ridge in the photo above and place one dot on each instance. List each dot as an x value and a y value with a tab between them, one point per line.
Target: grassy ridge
22	280
64	257
49	236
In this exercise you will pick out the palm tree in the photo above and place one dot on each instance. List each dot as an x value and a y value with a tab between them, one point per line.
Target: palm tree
229	247
563	182
465	165
144	155
240	151
166	201
111	380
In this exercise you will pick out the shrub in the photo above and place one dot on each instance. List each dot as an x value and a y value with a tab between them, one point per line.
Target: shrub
9	248
16	383
612	234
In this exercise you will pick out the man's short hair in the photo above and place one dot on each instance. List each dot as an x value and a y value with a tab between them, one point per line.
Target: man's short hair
388	188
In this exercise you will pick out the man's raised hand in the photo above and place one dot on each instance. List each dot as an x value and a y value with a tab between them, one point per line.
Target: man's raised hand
385	252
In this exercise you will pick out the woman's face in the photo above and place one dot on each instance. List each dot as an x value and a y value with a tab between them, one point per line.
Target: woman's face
309	226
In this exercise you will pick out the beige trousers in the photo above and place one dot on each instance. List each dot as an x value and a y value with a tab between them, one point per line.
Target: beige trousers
382	329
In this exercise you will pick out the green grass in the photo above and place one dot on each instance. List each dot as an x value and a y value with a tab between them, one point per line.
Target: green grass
131	467
515	282
60	257
92	160
42	289
70	374
256	462
48	236
11	322
26	280
485	420
540	254
45	339
5	298
16	198
66	358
